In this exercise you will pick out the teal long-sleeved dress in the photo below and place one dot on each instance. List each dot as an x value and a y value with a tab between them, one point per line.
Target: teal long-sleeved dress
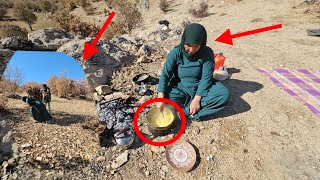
182	79
38	110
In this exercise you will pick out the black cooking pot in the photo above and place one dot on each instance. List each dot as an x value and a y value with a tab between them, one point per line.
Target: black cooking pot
156	130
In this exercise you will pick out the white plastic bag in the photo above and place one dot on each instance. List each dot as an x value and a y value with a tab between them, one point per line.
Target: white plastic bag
221	74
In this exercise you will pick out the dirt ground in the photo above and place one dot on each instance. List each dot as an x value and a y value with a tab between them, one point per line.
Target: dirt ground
263	133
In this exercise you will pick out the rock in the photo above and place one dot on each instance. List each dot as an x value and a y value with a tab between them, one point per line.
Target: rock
5	177
144	50
15	148
5	56
11	161
14	176
165	168
49	39
96	96
116	95
103	90
209	157
16	43
100	158
147	173
26	145
158	149
113	172
120	160
100	67
4	166
143	59
6	138
39	158
149	154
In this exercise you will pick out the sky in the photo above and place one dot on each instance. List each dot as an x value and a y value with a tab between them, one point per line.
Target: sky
39	66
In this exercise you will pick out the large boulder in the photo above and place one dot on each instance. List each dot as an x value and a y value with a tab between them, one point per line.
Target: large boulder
100	67
16	43
5	56
49	39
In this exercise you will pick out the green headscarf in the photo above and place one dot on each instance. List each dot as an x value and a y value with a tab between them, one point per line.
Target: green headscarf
193	34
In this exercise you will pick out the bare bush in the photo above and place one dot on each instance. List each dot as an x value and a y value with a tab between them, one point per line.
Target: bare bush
3	11
9	30
25	86
3	102
114	29
47	6
8	88
13	77
201	12
163	5
24	14
69	5
32	5
6	3
83	3
74	24
89	9
129	15
52	84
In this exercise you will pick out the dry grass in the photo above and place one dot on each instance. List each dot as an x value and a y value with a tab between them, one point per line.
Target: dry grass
43	21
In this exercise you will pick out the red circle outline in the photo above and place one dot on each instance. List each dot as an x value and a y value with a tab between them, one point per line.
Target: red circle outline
164	143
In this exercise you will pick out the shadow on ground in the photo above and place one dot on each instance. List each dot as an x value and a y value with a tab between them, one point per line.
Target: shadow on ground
237	89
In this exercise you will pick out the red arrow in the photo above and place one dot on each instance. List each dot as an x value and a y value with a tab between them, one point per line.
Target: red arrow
226	37
89	49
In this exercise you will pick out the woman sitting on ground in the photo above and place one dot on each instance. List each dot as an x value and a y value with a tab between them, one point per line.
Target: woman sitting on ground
37	109
187	77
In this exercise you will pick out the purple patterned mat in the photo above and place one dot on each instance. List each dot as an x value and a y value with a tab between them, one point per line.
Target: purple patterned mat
303	84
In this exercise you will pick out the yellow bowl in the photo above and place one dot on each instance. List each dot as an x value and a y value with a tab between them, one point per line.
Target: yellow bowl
160	120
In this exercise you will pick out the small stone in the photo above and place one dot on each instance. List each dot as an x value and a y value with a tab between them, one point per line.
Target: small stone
113	172
147	173
209	157
245	150
202	127
5	177
149	154
100	158
143	59
14	176
120	160
26	145
15	148
4	166
162	173
11	161
39	158
165	168
7	137
158	149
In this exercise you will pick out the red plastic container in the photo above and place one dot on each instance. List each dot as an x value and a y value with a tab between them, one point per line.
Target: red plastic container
219	60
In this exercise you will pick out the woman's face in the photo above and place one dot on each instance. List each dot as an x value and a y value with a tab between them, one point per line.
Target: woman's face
191	48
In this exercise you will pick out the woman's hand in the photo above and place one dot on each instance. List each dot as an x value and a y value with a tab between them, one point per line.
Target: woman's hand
195	105
160	105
